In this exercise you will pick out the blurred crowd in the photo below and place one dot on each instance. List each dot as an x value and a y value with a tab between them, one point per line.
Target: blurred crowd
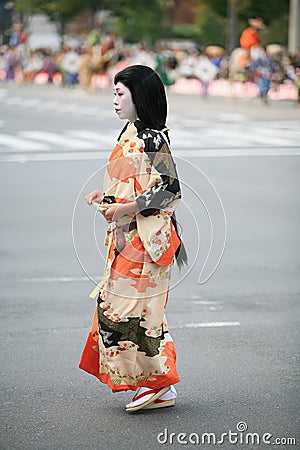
105	55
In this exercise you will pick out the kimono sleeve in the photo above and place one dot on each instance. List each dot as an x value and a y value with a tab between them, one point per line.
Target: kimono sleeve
162	182
157	201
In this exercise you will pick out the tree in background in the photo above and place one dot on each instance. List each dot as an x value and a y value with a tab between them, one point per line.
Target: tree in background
142	20
58	11
139	20
204	25
134	20
274	13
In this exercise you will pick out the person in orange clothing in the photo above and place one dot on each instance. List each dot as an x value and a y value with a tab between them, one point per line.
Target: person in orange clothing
129	346
250	37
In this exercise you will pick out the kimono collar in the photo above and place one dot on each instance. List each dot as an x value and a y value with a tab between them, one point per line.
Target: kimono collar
141	126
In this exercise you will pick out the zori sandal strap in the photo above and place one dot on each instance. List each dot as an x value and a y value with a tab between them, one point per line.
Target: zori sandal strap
142	399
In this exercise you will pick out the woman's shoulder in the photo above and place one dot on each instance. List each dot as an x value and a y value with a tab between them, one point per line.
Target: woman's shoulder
153	139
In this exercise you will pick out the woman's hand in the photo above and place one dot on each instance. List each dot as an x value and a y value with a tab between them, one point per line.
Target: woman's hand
115	211
94	197
111	212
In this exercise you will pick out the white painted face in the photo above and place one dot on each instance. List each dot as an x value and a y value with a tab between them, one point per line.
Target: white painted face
124	106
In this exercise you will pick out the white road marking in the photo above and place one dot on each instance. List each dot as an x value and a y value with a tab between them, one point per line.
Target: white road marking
85	134
231	117
198	123
14	101
48	105
59	140
207	302
56	157
67	108
257	139
203	120
209	325
237	152
279	124
215	324
53	279
98	156
220	137
89	111
30	102
17	143
231	137
277	136
98	137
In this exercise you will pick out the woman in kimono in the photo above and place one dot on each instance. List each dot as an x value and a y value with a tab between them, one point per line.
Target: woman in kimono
129	346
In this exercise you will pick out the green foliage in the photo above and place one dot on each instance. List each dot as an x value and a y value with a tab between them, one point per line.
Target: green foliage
269	10
275	16
209	30
218	6
213	29
273	12
52	8
187	31
139	20
134	20
278	31
59	11
144	20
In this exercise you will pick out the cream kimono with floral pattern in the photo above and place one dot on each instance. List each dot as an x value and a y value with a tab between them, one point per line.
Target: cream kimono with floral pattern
129	344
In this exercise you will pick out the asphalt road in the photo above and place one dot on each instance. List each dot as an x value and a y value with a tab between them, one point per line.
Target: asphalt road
237	335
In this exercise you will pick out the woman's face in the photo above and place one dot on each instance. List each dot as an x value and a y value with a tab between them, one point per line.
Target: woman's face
124	106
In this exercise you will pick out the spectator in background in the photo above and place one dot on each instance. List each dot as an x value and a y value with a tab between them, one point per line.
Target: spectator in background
18	36
262	69
166	66
11	62
219	58
2	58
49	65
296	64
276	53
297	82
143	56
188	64
32	65
85	68
94	37
297	58
238	65
108	52
291	66
250	38
205	71
70	64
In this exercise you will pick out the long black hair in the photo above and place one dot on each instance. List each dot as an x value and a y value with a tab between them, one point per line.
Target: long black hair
148	94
